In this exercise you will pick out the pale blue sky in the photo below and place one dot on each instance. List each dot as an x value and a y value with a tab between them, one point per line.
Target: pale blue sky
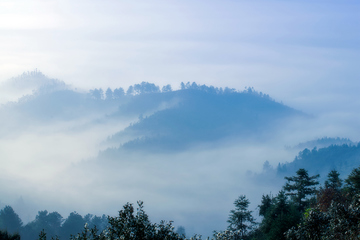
297	51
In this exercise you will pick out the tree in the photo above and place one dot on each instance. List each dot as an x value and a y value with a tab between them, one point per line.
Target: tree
72	225
301	186
97	93
118	93
279	217
145	87
9	220
240	218
340	221
353	180
109	94
332	192
166	88
44	221
131	225
266	203
333	180
130	90
182	86
6	236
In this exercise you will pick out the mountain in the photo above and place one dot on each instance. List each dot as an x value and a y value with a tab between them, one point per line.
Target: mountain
27	84
166	120
201	114
324	142
342	158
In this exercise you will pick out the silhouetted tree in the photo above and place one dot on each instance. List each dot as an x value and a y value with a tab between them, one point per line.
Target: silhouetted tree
44	221
333	180
279	217
4	235
118	93
9	220
130	90
131	225
145	87
109	94
240	218
97	93
353	180
72	225
166	88
266	204
300	187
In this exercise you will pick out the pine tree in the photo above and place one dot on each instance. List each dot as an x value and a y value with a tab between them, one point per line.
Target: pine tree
300	187
240	218
333	180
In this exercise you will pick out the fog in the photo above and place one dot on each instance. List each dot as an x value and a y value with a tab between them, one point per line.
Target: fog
66	162
187	153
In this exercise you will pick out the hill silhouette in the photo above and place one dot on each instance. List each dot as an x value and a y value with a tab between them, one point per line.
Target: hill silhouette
204	114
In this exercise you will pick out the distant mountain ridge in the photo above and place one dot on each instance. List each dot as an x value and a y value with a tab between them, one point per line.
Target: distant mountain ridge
167	120
324	142
205	114
342	158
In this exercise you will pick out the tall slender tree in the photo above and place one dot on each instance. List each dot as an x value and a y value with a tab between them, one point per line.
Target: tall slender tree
300	187
333	180
241	218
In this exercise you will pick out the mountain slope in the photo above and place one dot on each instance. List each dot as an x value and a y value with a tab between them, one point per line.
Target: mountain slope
206	115
342	158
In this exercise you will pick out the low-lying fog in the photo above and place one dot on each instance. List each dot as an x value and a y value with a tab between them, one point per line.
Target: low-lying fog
65	165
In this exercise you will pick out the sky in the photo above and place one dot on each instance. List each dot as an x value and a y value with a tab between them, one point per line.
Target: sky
303	53
296	51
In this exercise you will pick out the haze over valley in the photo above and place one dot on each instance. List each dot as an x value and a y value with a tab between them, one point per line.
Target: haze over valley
186	152
184	105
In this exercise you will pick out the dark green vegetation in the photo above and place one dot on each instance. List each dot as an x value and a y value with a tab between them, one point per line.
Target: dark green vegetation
51	223
321	161
301	210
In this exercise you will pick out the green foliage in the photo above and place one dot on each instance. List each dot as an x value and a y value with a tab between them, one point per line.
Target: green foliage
9	220
130	225
44	222
281	215
266	204
72	225
340	221
240	219
336	214
300	187
353	181
89	234
333	180
6	236
43	236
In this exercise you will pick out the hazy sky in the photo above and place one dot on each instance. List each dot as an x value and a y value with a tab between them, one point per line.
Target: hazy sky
296	51
304	53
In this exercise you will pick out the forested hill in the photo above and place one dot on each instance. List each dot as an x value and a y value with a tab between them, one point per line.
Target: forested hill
162	119
342	158
323	142
204	114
